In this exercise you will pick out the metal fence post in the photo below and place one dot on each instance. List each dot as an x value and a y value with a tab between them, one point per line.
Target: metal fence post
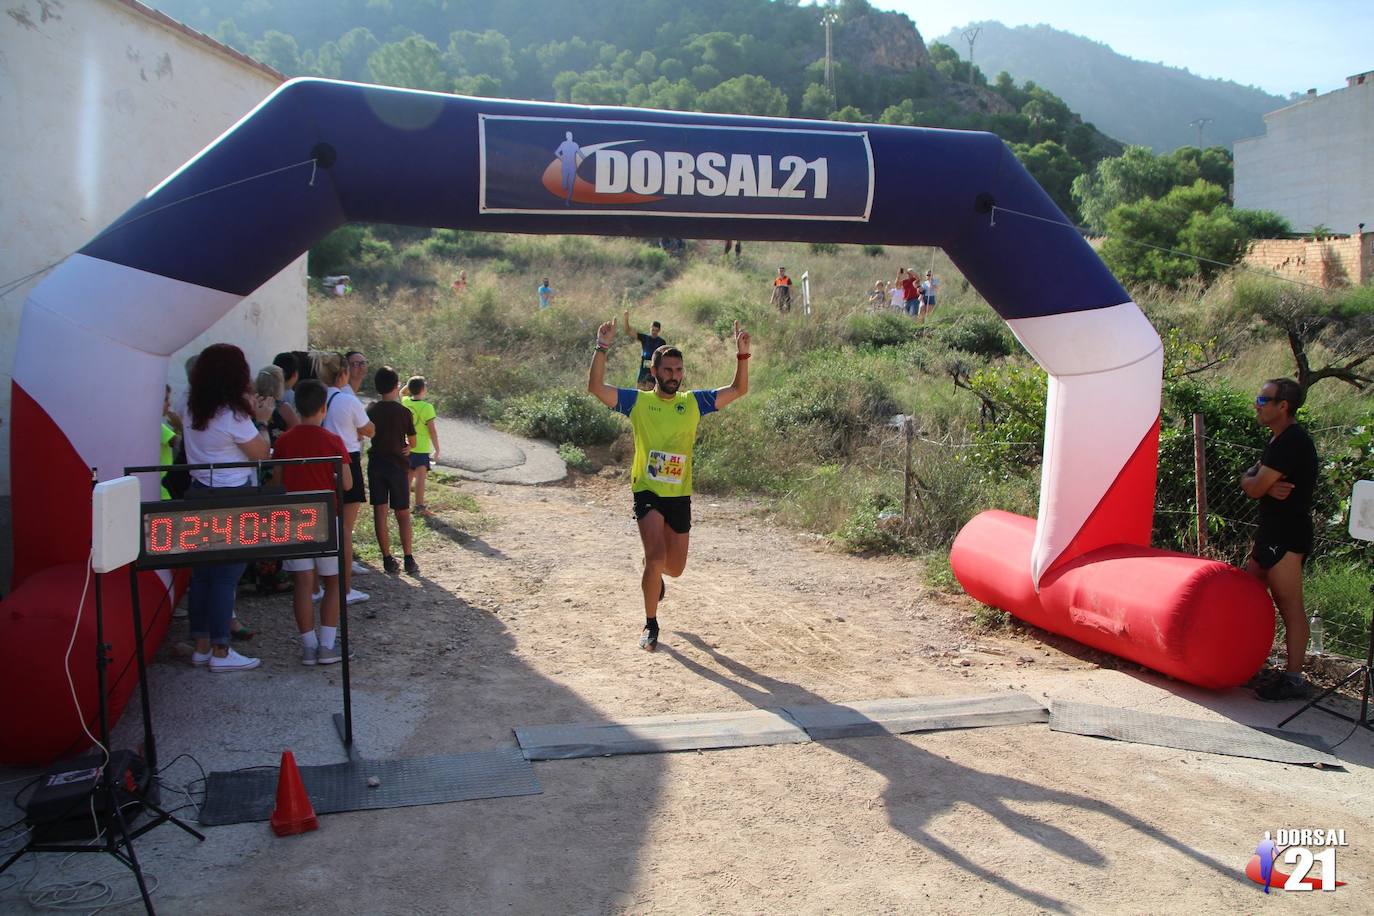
907	433
1200	479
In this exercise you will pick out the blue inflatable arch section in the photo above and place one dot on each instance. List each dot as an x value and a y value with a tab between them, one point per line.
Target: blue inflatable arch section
317	154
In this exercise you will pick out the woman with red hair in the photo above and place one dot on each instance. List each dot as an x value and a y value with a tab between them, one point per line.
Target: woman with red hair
228	423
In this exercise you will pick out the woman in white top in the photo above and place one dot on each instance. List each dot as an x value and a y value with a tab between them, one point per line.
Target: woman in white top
346	418
226	424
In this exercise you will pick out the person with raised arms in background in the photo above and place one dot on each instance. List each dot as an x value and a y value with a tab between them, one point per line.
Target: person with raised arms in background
648	343
664	421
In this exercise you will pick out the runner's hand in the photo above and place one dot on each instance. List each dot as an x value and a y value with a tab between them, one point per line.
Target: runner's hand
605	335
741	339
1280	489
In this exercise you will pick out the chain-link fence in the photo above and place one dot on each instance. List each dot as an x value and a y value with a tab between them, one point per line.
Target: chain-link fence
1207	513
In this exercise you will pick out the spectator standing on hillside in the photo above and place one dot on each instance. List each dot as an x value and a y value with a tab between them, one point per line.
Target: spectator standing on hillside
545	294
388	468
782	291
930	289
426	449
895	297
911	290
1283	481
460	283
648	344
877	299
665	429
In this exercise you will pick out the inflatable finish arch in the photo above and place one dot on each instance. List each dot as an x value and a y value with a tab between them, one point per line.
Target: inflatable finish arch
323	153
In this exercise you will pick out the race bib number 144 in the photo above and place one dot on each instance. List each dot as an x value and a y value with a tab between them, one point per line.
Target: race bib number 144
665	467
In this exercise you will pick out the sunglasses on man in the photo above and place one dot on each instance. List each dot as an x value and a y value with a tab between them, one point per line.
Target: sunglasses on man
1263	399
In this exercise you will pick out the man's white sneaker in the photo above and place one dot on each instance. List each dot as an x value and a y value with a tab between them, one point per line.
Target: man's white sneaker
232	662
354	596
359	569
200	660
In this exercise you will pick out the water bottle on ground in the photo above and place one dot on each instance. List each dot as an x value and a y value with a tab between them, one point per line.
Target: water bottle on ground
1316	642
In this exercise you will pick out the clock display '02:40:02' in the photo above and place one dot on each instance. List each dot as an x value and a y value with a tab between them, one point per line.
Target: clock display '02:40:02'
172	533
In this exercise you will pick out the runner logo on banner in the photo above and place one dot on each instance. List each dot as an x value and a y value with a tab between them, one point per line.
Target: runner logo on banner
562	166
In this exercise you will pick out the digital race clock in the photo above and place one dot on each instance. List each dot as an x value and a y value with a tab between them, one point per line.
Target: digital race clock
228	528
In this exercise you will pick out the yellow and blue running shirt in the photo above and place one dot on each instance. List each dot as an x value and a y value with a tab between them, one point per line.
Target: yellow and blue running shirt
665	431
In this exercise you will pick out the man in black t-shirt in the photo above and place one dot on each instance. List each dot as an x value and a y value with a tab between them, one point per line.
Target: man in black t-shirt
1283	482
648	343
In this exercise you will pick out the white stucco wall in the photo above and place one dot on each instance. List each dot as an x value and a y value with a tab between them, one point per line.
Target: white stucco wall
99	103
1315	162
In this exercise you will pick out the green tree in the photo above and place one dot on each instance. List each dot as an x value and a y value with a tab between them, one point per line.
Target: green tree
747	94
278	51
816	102
1158	241
1051	165
415	63
473	53
1135	175
347	58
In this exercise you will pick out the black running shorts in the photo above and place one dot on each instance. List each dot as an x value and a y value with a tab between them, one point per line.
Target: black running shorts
389	482
676	510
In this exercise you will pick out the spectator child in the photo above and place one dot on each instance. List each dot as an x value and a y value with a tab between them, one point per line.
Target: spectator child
545	294
388	466
346	417
426	448
309	439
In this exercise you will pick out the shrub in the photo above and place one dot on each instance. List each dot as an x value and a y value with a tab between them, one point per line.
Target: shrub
561	415
885	329
338	252
831	403
981	335
873	251
875	527
652	259
574	457
824	248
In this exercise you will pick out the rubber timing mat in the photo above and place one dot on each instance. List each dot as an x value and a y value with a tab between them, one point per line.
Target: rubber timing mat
656	734
1229	738
249	795
913	714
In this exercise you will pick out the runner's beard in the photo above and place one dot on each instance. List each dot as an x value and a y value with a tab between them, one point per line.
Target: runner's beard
669	386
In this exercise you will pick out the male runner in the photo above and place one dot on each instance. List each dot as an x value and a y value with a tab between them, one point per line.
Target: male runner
665	428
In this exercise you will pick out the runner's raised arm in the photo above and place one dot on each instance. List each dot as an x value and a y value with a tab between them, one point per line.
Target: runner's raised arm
740	386
596	375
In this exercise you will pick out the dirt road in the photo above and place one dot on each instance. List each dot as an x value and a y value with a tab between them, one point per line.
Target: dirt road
534	620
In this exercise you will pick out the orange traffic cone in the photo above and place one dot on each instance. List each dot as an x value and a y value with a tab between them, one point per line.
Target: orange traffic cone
294	813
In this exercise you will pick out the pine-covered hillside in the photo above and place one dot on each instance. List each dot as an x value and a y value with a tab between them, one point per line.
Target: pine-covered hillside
739	56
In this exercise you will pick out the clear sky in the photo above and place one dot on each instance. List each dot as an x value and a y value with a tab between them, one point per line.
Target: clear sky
1281	46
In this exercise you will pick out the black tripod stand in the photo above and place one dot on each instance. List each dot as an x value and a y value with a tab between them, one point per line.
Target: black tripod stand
114	794
1364	673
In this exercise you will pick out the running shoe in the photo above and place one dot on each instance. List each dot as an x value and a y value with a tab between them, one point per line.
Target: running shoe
412	568
648	640
359	569
1285	688
355	596
390	565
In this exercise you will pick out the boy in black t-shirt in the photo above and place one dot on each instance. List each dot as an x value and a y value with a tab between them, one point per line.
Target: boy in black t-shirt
1283	482
388	467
